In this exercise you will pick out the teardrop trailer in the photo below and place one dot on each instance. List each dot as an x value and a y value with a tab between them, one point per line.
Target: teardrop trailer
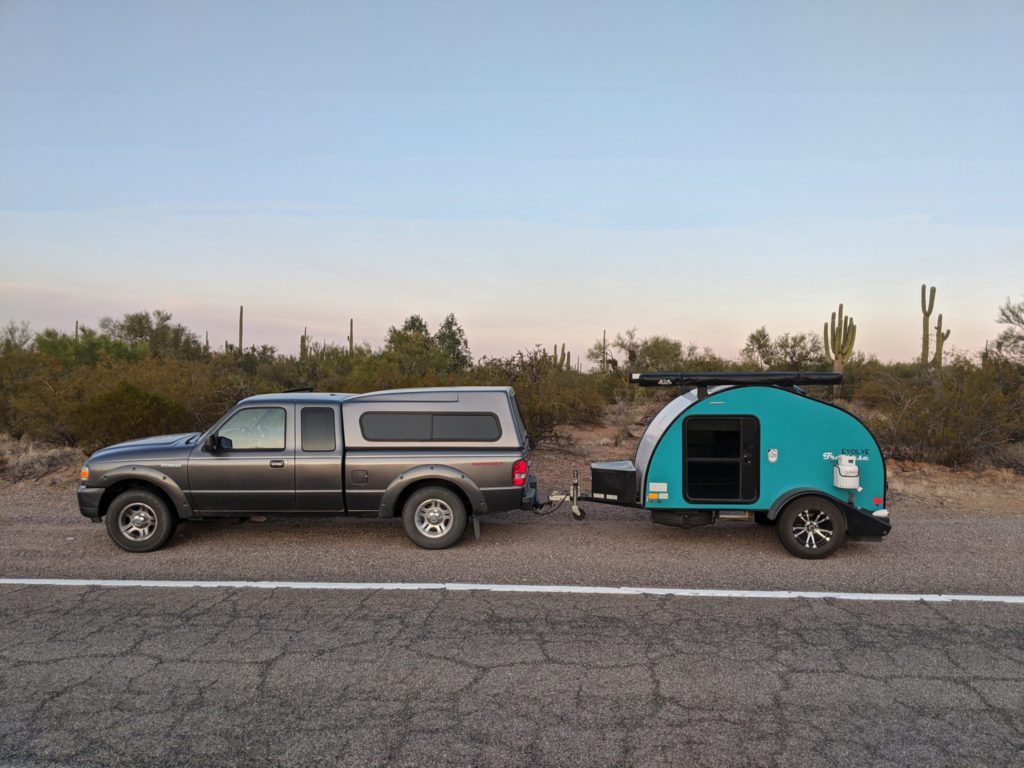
751	446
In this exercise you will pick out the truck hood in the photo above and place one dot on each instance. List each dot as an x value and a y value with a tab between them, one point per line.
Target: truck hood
161	446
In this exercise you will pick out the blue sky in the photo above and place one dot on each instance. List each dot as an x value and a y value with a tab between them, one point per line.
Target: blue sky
543	170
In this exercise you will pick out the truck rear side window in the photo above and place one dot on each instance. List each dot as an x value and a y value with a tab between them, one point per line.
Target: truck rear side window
430	427
318	429
481	427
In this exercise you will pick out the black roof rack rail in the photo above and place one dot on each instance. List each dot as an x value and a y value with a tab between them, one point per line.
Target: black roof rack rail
741	378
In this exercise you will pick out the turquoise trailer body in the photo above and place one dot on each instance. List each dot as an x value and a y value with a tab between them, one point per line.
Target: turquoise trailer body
800	439
753	446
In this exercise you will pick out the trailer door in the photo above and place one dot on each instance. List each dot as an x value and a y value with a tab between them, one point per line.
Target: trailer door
720	459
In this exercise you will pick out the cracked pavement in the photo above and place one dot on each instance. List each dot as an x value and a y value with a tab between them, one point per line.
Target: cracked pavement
143	676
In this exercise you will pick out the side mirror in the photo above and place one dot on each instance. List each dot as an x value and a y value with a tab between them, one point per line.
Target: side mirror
209	443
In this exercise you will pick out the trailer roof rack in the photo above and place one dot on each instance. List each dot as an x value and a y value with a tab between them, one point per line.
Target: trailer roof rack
748	378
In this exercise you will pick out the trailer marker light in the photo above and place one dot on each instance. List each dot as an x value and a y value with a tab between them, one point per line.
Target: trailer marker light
876	500
652	495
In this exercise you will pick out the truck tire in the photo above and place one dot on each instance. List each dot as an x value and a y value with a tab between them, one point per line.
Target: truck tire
140	521
812	527
434	517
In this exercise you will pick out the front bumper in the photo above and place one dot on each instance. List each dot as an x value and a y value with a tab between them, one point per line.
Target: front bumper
89	502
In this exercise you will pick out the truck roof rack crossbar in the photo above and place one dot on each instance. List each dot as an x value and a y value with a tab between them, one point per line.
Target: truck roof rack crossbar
748	378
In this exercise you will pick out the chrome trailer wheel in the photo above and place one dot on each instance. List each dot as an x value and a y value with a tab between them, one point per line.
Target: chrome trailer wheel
812	527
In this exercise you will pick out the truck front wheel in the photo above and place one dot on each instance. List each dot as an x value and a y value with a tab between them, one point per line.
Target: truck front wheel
139	521
812	527
434	517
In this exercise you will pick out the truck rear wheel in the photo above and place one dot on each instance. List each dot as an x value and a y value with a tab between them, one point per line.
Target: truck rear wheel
812	527
434	517
140	521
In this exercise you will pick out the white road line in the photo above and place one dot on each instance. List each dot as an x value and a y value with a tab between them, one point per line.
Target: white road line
896	597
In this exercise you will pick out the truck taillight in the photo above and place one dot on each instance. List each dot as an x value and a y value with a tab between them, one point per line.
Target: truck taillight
519	472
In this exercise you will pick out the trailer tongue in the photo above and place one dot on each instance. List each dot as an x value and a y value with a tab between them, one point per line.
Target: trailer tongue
750	446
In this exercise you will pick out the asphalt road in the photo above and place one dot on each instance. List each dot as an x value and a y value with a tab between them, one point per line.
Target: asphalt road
129	677
93	676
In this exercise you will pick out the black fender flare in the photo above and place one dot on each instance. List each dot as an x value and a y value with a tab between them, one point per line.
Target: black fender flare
858	521
776	508
423	472
152	477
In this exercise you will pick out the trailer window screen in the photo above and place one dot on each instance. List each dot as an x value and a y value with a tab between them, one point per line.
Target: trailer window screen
721	457
318	429
430	427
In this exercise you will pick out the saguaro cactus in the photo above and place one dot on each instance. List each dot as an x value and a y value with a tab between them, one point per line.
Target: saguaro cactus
351	335
241	312
940	340
304	344
839	337
926	310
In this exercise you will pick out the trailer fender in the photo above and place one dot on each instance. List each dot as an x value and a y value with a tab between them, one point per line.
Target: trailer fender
441	472
776	509
858	521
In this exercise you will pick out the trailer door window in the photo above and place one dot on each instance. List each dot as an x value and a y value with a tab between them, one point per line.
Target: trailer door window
720	455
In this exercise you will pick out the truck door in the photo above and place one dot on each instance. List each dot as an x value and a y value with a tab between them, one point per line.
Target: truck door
721	459
318	460
252	468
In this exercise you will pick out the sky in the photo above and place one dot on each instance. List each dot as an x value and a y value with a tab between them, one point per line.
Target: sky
545	171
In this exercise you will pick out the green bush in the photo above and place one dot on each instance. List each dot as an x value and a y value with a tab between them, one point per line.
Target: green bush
123	413
956	415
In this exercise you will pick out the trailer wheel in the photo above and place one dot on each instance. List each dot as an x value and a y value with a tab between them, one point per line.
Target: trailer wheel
434	517
812	527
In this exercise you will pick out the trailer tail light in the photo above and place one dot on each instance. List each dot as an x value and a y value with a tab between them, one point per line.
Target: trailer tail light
519	472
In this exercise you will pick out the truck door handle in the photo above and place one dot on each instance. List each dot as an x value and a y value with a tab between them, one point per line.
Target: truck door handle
277	463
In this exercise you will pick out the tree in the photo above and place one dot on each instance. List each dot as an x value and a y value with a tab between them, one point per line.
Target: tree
629	345
450	341
659	353
155	333
789	352
15	337
1010	343
758	350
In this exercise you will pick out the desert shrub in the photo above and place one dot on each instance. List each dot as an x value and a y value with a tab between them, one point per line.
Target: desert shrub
126	412
1009	456
955	415
548	396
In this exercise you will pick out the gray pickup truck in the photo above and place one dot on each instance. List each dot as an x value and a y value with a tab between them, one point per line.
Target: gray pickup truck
434	456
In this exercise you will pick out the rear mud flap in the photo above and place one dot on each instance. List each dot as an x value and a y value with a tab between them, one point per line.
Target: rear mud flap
861	524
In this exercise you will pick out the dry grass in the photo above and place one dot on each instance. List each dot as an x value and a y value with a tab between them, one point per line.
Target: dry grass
24	460
1010	456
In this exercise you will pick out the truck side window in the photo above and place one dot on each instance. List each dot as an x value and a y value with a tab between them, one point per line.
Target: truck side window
478	427
427	427
318	429
254	429
396	426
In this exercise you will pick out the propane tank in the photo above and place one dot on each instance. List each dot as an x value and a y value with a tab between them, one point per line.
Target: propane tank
846	473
